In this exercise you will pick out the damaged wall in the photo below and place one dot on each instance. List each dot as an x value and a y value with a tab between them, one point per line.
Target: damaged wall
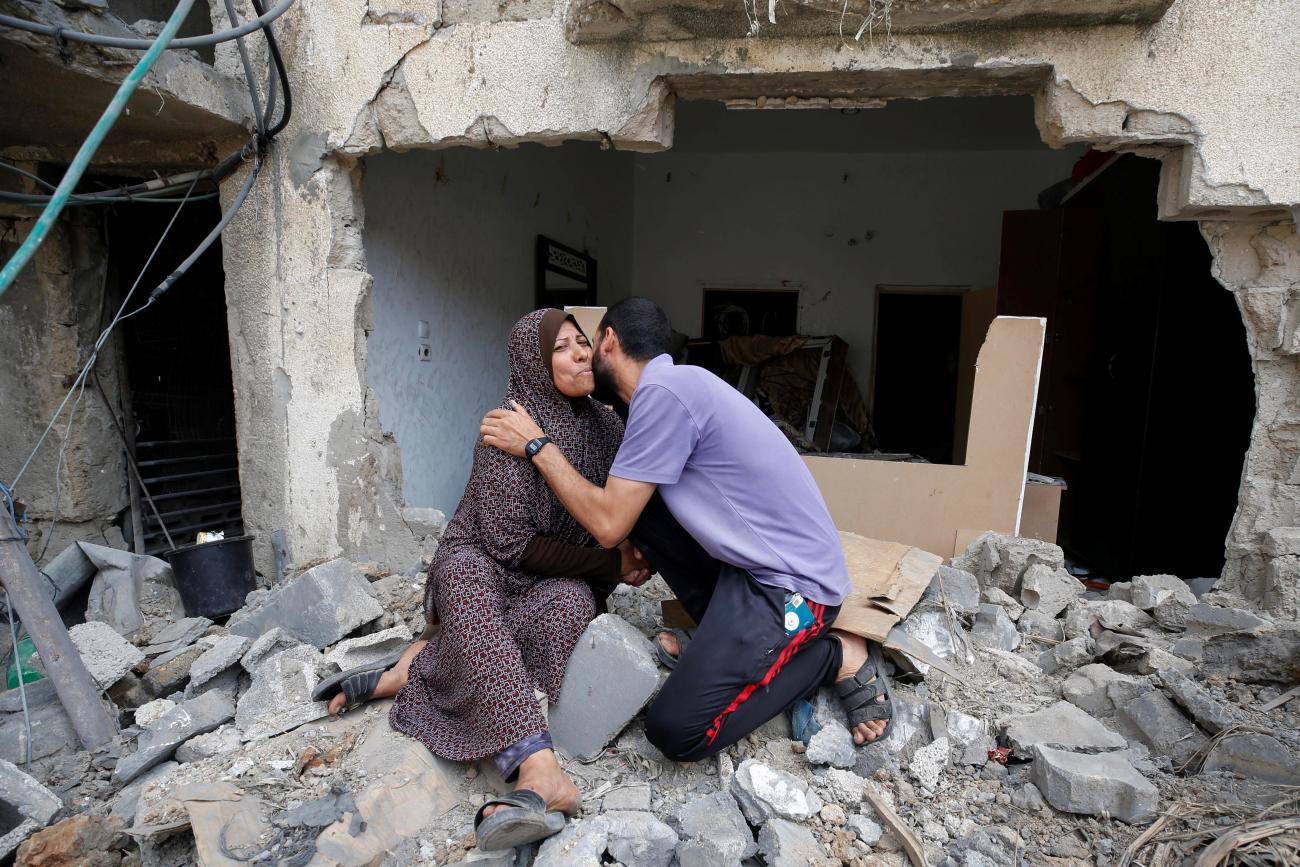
1211	88
450	239
48	325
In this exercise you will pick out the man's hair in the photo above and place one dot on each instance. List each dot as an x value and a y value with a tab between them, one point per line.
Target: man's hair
642	328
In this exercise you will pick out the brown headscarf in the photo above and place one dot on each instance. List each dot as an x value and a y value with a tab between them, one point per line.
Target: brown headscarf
506	501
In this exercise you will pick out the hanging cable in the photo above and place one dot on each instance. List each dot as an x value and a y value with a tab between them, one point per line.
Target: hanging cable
258	118
89	146
281	72
250	26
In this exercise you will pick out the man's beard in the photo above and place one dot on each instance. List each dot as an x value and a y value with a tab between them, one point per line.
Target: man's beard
606	390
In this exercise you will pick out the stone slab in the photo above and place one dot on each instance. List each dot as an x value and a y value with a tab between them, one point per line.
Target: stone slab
1255	756
1062	726
186	720
783	843
717	818
1093	785
31	806
365	649
175	636
319	607
764	792
1099	689
279	698
107	655
224	652
1160	725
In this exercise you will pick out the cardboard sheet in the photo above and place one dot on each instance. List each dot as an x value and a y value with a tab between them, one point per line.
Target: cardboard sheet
932	505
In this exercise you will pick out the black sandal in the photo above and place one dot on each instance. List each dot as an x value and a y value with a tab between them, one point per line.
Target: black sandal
522	819
357	684
858	693
683	638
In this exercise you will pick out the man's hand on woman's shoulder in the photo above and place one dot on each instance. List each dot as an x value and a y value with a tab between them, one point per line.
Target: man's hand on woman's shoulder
509	429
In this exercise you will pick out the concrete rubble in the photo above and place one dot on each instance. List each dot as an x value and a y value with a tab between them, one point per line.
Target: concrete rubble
1110	713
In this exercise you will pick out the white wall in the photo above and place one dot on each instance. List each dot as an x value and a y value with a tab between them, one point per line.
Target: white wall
449	239
760	219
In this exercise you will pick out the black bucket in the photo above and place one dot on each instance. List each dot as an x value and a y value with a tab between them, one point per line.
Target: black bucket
213	578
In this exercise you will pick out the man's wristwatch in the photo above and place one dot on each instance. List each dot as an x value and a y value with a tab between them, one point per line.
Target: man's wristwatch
535	446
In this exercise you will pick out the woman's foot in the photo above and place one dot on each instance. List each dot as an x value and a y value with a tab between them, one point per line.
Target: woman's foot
541	773
854	656
390	682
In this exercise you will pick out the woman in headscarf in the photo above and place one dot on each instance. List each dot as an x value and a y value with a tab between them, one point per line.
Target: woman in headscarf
511	585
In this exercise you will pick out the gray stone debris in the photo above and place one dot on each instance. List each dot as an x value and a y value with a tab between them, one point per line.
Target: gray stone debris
928	764
1255	756
174	728
266	645
630	796
170	671
1048	590
637	839
1265	655
785	844
1061	726
28	807
844	787
582	843
1217	620
175	636
1000	561
1212	715
126	802
1160	725
279	698
1159	661
148	714
226	739
610	677
1099	689
717	818
1121	590
38	692
107	655
1149	590
130	590
223	653
1067	656
832	745
701	853
1094	785
1119	615
994	629
1027	797
868	830
970	737
960	587
764	792
930	626
365	649
319	607
52	732
1039	624
994	596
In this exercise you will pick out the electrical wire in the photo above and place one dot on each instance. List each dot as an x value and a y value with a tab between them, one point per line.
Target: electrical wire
282	74
34	199
249	26
88	147
244	60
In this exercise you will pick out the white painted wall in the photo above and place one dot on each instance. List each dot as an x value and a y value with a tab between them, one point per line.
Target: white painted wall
458	253
761	219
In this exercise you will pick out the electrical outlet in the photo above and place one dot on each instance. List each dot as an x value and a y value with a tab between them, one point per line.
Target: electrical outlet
425	351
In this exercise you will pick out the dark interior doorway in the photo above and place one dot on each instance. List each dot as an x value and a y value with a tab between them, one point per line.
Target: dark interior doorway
1147	396
918	335
178	391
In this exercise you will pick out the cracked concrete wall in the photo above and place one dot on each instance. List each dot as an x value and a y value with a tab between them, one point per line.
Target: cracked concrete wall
49	322
1212	88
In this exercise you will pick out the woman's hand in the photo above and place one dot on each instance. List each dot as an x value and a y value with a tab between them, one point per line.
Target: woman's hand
634	569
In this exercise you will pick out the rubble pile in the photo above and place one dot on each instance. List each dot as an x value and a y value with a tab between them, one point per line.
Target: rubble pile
1079	720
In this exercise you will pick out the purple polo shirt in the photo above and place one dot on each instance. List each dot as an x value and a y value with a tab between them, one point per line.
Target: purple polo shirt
732	480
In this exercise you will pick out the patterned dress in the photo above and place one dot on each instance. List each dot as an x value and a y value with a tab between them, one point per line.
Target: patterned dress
505	632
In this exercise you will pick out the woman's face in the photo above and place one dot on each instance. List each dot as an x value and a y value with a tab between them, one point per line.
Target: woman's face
571	362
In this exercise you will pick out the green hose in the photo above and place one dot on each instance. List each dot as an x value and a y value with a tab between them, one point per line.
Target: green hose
73	176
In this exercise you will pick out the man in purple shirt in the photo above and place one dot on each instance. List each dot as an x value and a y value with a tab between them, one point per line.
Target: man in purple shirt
723	507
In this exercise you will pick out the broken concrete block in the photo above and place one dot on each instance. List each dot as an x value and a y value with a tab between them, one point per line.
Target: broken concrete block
52	732
1121	590
1216	620
1255	756
279	698
610	677
27	806
107	655
319	607
130	590
1027	797
1067	656
1093	785
37	693
1062	726
169	672
365	649
638	839
126	802
224	740
268	644
86	840
717	818
582	843
993	628
1212	715
1036	623
1149	590
928	763
178	635
223	653
1261	656
630	796
148	714
844	787
764	792
1000	561
1119	616
784	844
1100	689
174	728
1048	590
867	830
1160	725
994	596
832	745
701	852
930	627
961	589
